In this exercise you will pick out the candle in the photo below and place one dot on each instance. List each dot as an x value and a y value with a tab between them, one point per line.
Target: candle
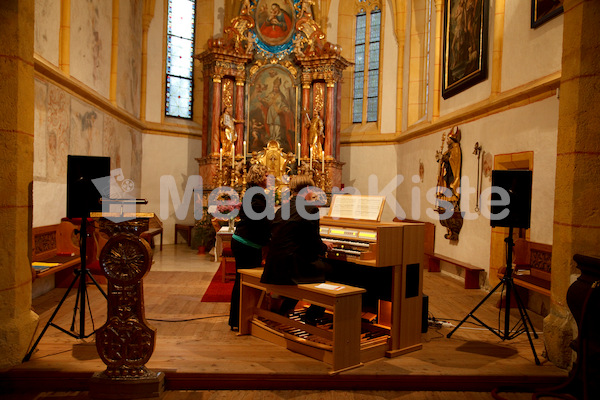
310	164
299	154
221	158
322	161
232	156
245	149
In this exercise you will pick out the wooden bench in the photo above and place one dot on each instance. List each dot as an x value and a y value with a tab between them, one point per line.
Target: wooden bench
155	227
532	263
432	259
339	346
471	272
50	245
186	230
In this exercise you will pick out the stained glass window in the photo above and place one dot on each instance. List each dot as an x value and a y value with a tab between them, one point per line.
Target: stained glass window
366	57
180	62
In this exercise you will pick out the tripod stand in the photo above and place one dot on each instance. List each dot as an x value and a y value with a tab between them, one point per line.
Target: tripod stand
524	323
81	274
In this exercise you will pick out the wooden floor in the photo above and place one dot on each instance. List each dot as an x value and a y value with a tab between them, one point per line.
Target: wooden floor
197	351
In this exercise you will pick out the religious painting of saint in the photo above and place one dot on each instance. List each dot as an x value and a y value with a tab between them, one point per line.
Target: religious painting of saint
275	21
465	45
272	109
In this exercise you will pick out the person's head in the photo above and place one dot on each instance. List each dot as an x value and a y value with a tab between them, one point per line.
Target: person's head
257	175
275	8
299	182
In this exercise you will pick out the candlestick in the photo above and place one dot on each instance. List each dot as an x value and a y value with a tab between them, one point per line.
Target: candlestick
220	158
310	164
299	155
232	157
322	161
245	150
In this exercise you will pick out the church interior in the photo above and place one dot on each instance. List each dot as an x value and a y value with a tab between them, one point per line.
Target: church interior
419	123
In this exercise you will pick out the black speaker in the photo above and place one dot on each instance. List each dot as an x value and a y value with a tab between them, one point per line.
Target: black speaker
517	183
82	195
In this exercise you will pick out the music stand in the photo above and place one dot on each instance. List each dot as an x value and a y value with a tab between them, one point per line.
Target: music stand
81	274
82	197
524	323
517	184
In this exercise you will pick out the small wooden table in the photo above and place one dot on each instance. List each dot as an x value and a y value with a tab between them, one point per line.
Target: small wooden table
223	235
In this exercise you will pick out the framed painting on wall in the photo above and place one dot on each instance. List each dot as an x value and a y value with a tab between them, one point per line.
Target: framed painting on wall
465	45
544	10
272	109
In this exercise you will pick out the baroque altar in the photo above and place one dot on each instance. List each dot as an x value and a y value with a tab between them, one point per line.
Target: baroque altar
271	86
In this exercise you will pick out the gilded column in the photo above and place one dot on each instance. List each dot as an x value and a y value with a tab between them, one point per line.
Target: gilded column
239	115
330	119
305	107
216	114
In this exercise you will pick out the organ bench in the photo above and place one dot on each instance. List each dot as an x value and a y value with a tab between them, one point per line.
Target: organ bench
339	346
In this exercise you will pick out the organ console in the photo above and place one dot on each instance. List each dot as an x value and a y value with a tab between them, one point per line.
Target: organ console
399	247
380	262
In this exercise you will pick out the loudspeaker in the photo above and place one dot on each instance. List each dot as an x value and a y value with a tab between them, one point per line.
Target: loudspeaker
82	195
517	183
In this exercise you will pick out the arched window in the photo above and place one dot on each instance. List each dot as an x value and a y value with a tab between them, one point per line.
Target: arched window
180	62
365	102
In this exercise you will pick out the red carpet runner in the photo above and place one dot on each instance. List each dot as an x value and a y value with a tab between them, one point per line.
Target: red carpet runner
217	291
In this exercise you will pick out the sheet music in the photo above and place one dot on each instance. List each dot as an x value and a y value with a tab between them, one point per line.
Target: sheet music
357	207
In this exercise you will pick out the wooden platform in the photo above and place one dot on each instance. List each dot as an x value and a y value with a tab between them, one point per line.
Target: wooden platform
197	351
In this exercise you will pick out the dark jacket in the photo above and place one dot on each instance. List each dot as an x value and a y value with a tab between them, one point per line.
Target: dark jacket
257	231
294	249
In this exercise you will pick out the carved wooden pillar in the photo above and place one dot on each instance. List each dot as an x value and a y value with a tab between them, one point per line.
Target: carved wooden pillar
239	114
305	123
329	119
126	341
216	114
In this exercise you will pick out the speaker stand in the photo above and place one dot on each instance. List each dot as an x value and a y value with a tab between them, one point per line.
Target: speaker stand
82	297
524	324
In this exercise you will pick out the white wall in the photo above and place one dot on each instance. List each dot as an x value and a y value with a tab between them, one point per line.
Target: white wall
168	156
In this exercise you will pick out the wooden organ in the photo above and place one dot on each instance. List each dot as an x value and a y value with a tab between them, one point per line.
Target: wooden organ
385	244
390	254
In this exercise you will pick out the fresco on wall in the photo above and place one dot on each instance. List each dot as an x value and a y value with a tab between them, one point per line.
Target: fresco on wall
86	129
57	136
65	125
47	24
91	34
40	127
130	52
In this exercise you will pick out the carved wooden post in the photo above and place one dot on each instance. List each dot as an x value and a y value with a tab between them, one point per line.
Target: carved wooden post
126	341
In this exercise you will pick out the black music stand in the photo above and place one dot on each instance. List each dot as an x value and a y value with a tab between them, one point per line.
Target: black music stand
517	184
83	196
524	324
82	297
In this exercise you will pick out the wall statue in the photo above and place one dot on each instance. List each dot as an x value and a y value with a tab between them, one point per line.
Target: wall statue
448	193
